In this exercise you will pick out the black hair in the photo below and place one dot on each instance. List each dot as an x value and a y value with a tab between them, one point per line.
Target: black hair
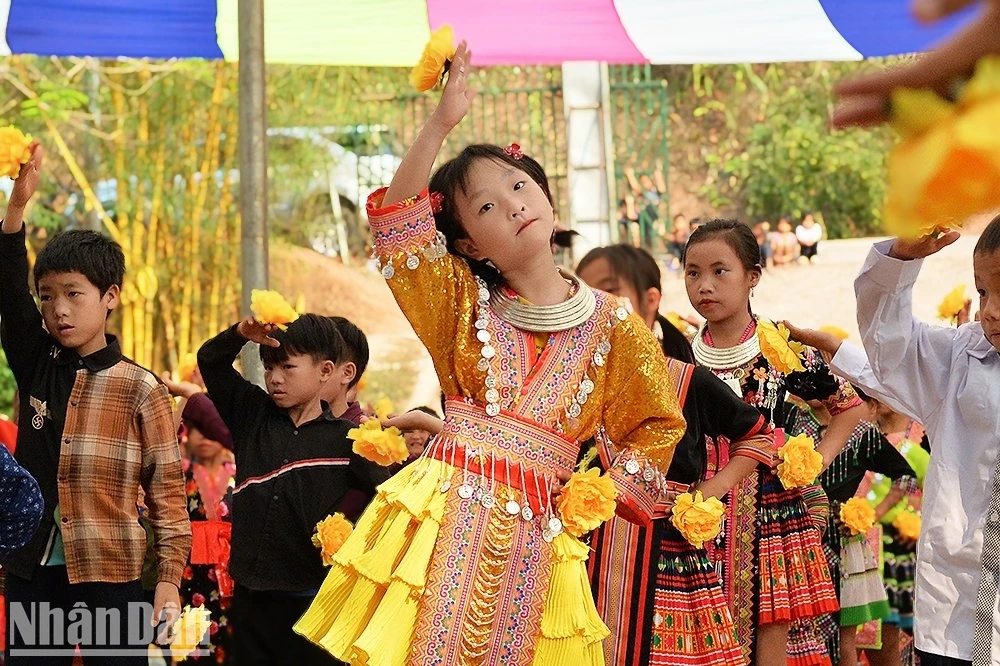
355	346
637	267
96	257
861	393
310	335
989	241
453	177
564	238
736	235
426	410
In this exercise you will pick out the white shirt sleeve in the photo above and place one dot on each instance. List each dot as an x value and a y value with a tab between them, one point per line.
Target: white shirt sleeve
851	363
909	359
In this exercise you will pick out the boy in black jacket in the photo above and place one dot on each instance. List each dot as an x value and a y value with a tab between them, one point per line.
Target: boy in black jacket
294	466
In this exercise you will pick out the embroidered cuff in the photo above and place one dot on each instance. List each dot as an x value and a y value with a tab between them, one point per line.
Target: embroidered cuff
642	489
759	448
406	227
907	484
845	398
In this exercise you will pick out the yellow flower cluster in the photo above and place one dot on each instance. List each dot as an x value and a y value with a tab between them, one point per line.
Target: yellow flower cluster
857	515
429	71
270	307
800	462
952	304
783	354
188	631
383	409
947	167
696	518
835	331
13	151
908	523
331	533
383	447
586	501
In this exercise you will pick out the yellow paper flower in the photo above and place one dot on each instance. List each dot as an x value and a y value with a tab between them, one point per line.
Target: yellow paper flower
908	523
783	354
383	447
270	307
952	303
800	462
857	515
331	533
696	518
383	409
586	501
13	151
189	631
947	167
439	51
835	331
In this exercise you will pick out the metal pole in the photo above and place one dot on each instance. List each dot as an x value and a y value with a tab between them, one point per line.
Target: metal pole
253	166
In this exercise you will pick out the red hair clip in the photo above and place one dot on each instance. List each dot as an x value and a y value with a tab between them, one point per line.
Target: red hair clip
514	151
437	202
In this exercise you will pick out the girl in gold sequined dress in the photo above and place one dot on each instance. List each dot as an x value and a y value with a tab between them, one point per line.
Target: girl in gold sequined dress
462	558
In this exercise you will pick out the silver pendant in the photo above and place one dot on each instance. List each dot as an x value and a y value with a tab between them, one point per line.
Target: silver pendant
599	360
622	313
604	347
548	536
587	386
484	365
527	513
487	500
512	507
388	271
488	351
465	491
482	324
649	474
412	262
492	409
483	336
581	397
632	466
574	411
446	486
555	525
484	295
492	395
491	382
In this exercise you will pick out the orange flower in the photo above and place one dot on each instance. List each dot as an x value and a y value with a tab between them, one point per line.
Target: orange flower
189	631
952	304
696	518
835	331
429	71
270	307
384	447
331	533
586	501
857	515
947	167
13	151
908	523
800	462
783	354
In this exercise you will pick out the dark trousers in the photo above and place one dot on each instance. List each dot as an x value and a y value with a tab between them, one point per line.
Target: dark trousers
262	630
935	660
107	607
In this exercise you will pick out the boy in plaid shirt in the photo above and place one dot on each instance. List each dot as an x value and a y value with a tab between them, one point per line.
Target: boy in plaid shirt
95	428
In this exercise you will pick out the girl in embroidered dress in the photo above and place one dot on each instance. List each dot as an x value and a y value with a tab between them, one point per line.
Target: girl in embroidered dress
660	595
461	557
209	476
772	563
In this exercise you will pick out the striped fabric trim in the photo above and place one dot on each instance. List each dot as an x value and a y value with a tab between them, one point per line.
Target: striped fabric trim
298	464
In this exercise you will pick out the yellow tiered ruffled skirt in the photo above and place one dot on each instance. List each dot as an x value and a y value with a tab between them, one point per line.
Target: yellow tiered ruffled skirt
378	601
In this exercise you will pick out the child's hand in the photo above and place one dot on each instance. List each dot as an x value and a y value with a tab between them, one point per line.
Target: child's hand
965	314
415	420
864	100
25	186
918	248
179	389
254	331
457	95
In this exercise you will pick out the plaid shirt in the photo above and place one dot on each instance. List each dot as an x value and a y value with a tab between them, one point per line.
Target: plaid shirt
94	431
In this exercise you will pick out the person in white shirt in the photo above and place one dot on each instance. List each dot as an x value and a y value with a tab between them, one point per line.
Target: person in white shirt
948	379
809	234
